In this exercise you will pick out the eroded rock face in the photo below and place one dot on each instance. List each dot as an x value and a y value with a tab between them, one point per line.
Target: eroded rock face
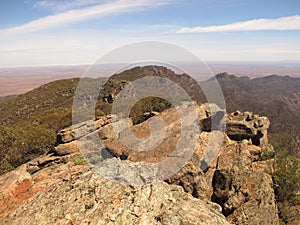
233	177
235	181
85	198
246	125
246	195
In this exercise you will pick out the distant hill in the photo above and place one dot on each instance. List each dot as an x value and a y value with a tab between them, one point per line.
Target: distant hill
6	98
52	96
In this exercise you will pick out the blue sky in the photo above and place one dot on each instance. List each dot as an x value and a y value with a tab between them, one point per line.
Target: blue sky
58	32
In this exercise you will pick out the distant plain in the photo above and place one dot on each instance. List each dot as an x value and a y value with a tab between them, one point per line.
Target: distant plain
22	79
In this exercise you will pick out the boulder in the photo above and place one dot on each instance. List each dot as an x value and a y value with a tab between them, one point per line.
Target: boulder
66	149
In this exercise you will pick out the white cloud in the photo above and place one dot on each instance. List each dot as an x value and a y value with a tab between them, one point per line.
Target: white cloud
76	15
283	23
77	47
56	5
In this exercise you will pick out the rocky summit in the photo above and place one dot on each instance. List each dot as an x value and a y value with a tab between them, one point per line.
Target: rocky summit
222	181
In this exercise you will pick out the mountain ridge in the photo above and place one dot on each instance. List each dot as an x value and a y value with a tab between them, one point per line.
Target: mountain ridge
277	97
47	109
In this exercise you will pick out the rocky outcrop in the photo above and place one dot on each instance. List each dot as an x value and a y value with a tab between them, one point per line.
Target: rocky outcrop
67	191
246	195
233	178
211	117
79	196
248	126
80	130
235	181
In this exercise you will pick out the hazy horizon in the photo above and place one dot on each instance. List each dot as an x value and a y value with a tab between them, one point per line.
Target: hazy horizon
18	80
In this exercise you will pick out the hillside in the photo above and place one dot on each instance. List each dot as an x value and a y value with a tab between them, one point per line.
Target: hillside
48	109
49	97
6	98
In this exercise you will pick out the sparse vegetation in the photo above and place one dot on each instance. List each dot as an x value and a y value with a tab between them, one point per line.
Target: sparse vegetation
287	176
79	160
147	105
287	183
268	153
22	142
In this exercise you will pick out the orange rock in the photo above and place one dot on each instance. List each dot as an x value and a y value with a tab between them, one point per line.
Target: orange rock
15	187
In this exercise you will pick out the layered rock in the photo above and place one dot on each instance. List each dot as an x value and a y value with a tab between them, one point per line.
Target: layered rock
246	195
219	169
234	181
82	129
224	177
248	126
79	196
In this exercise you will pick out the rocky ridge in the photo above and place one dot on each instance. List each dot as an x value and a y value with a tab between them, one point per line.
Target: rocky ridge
61	188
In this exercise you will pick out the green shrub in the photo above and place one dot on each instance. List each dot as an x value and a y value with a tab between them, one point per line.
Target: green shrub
147	105
286	176
297	199
281	222
56	119
268	153
12	145
79	160
22	142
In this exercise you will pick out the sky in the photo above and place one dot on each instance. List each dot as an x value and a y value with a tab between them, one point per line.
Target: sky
64	32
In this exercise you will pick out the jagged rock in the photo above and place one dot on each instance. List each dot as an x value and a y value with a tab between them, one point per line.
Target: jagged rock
106	132
135	147
232	163
246	196
32	168
46	160
220	169
235	181
259	205
211	117
86	198
194	177
240	126
79	130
